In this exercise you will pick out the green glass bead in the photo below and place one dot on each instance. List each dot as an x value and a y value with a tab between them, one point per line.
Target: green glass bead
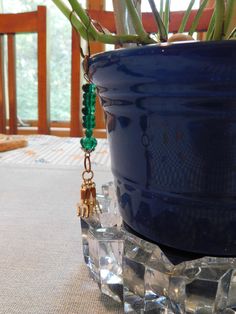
88	125
92	95
91	99
89	95
89	118
84	111
89	87
88	144
85	88
91	110
92	88
88	106
89	102
89	132
88	111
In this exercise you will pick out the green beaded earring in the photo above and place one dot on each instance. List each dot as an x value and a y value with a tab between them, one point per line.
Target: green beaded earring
89	142
88	203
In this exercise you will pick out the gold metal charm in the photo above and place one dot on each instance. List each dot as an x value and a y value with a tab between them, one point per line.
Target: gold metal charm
88	203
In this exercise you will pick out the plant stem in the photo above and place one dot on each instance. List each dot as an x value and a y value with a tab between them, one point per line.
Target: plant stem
167	15
197	17
161	9
72	18
122	26
161	28
85	19
232	34
121	39
186	16
219	19
87	34
137	23
229	14
211	27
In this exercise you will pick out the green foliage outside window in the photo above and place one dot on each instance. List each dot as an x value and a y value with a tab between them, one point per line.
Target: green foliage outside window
59	62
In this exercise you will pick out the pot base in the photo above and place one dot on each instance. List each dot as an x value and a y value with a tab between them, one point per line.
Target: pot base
187	224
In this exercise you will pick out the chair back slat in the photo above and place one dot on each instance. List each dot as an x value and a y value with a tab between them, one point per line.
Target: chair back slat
11	48
75	122
19	23
106	19
43	84
2	90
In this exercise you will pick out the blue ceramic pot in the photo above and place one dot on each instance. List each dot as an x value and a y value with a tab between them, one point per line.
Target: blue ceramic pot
171	123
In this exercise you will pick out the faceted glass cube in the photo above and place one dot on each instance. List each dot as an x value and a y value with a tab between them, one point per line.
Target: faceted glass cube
205	285
103	245
105	251
87	224
109	215
208	284
139	274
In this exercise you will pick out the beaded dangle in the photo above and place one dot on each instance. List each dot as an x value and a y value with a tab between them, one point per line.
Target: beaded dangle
88	203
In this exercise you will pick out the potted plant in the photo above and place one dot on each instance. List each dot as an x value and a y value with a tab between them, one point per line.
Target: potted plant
171	122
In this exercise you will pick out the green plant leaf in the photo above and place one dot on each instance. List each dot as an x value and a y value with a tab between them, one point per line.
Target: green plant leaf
219	19
232	34
229	10
72	18
197	17
211	27
161	28
91	33
186	16
137	23
161	9
85	19
167	15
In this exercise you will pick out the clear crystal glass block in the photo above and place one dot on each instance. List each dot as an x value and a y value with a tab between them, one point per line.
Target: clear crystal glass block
133	276
108	217
104	251
139	274
103	245
88	224
146	277
109	207
205	285
110	252
208	284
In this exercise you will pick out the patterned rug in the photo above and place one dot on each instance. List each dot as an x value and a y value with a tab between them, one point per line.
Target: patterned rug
53	151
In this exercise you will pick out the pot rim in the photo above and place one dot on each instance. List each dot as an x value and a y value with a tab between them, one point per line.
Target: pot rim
160	46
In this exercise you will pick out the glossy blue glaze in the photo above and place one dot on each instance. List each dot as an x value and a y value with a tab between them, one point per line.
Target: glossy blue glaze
171	122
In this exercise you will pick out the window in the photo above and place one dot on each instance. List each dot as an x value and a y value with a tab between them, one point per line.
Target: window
59	39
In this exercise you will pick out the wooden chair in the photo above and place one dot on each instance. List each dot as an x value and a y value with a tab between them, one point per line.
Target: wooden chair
105	18
10	25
